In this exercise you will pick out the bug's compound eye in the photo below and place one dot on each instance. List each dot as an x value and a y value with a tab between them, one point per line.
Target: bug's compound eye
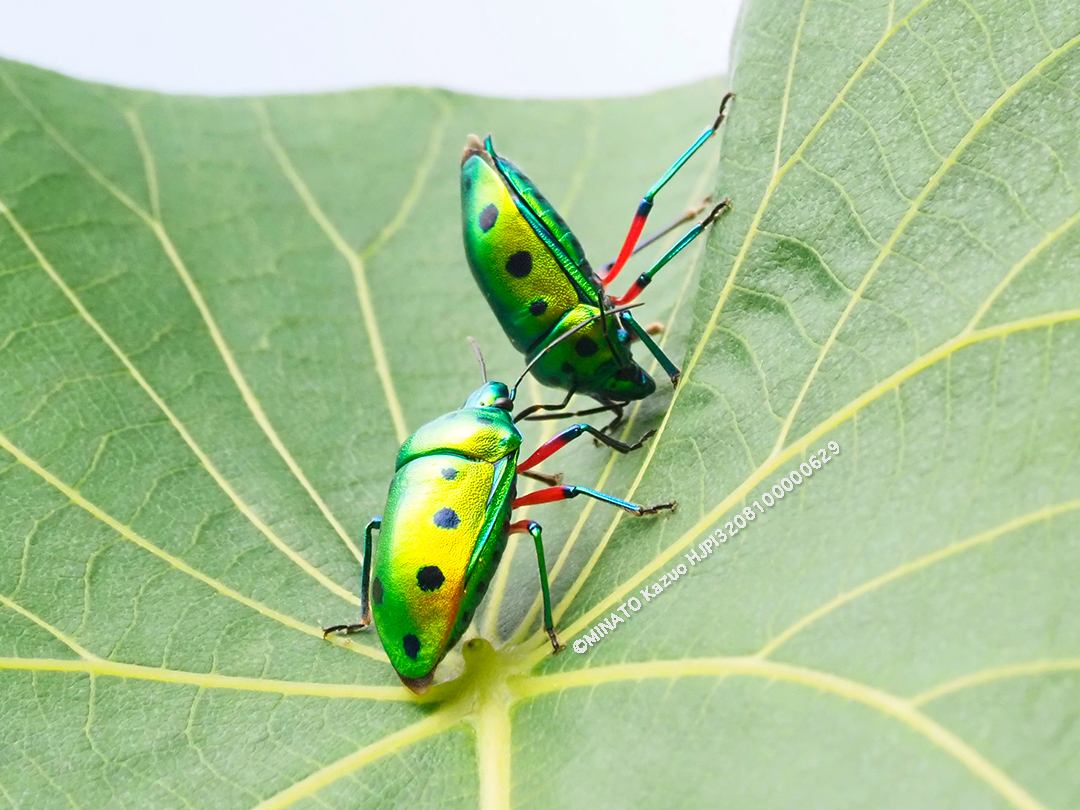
505	403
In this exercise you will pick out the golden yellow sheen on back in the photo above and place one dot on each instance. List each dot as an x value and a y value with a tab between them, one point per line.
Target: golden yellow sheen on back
445	521
531	291
533	272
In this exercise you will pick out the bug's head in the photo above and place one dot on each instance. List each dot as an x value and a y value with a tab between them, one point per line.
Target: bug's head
491	395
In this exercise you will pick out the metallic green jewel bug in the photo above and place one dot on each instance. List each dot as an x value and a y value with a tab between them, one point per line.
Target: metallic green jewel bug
533	272
446	522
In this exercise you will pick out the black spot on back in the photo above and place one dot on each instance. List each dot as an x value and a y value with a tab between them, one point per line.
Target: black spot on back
430	578
466	618
538	308
519	264
411	644
567	368
377	591
481	586
626	373
446	518
449	473
585	346
488	217
466	183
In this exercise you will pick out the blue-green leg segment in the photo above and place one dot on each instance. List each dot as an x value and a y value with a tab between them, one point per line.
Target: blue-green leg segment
665	362
646	204
365	587
563	493
533	528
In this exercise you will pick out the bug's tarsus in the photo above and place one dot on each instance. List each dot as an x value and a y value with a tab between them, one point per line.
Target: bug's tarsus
617	409
479	357
701	206
365	586
617	445
346	629
556	647
723	206
725	102
660	507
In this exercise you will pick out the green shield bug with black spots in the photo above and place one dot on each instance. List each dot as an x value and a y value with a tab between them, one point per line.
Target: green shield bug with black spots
533	272
447	520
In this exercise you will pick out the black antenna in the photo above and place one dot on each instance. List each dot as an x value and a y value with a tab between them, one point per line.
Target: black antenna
479	357
564	336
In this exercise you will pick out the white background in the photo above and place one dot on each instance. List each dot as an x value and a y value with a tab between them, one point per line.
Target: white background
555	48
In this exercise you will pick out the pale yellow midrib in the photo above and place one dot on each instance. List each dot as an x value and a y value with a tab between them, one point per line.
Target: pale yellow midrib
772	463
177	563
493	732
779	458
149	167
889	704
773	183
204	459
356	267
93	665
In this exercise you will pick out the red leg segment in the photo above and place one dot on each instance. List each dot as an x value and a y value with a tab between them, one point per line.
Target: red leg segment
552	446
636	227
545	495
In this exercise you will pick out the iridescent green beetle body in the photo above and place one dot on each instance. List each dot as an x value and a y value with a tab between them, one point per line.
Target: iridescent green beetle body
443	530
445	525
534	274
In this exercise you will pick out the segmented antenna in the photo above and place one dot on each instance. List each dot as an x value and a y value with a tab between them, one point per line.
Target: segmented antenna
479	357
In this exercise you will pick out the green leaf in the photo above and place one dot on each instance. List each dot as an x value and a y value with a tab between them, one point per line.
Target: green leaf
220	316
900	275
